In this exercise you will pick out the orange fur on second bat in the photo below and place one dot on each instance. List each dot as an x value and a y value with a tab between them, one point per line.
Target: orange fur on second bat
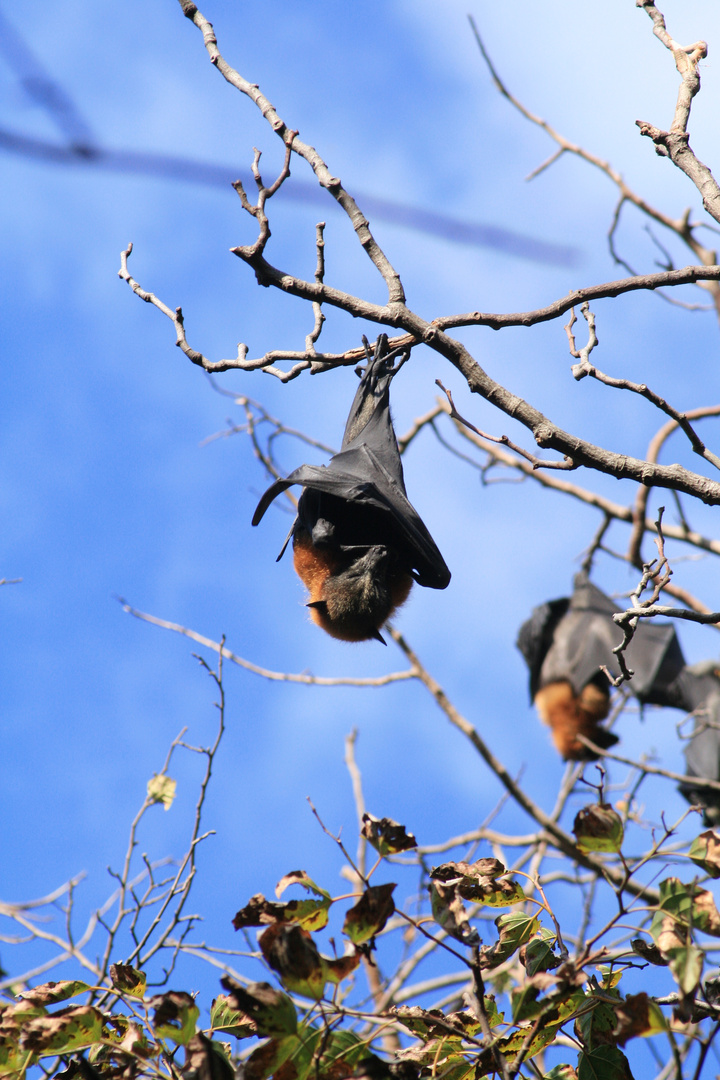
569	715
350	594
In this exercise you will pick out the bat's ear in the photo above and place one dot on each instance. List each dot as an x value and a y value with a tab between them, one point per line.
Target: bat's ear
319	605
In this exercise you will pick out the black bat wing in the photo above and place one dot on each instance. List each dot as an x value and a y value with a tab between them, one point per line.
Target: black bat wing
574	646
583	639
698	691
358	477
590	635
535	637
369	422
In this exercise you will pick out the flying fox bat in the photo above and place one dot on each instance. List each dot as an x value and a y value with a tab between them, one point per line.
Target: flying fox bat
358	544
566	642
697	691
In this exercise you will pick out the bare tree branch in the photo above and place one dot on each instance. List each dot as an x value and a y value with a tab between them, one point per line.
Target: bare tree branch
584	368
614	510
687	275
537	463
640	523
681	226
675	143
303	150
273	676
395	313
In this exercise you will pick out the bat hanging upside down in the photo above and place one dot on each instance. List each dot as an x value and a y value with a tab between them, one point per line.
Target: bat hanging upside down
566	642
358	544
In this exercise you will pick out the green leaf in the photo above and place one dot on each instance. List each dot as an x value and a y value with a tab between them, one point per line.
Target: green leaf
442	1057
231	1021
388	837
515	929
503	893
161	789
610	976
478	882
323	1054
293	954
313	1052
310	914
686	964
596	1023
705	852
300	877
270	1056
272	1011
494	1015
13	1060
129	980
429	1024
175	1016
52	992
369	916
458	1067
638	1015
14	1019
539	955
206	1059
123	1033
509	1048
599	828
603	1063
682	907
449	912
344	1046
62	1032
524	1001
555	1008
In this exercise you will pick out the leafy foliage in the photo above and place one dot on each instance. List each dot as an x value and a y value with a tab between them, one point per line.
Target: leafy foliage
308	1026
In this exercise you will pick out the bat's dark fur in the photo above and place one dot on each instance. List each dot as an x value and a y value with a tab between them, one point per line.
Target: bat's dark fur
358	544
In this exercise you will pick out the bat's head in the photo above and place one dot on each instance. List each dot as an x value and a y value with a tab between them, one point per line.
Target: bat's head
358	591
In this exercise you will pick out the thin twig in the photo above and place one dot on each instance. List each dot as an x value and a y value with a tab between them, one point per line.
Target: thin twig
265	673
536	462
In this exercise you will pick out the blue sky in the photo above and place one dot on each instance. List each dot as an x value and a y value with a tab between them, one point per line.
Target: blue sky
108	488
